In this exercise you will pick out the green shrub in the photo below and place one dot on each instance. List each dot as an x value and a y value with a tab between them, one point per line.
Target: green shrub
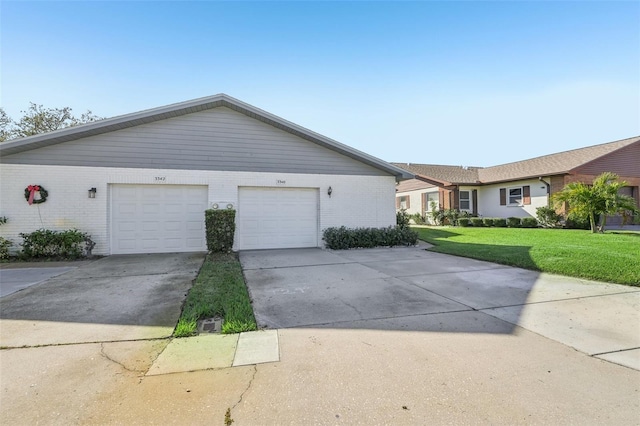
529	222
576	222
500	222
45	243
477	222
487	221
343	238
547	217
418	219
513	222
4	248
402	219
221	227
464	221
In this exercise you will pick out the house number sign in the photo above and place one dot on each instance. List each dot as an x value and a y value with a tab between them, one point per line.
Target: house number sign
160	178
281	182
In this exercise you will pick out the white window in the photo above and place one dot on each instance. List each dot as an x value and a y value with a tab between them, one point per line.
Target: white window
515	196
404	202
432	197
465	200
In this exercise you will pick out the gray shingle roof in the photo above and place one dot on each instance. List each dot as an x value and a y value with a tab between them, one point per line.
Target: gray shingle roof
444	174
546	165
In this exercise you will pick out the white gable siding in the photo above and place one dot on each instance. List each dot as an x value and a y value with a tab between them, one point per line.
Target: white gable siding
355	201
489	199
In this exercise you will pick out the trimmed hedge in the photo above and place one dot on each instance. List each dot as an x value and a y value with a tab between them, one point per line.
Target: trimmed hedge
529	222
513	222
463	221
45	243
343	238
487	221
221	227
500	222
476	221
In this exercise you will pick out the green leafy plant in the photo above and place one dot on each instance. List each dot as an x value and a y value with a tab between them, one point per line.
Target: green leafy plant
402	218
548	217
464	221
487	221
343	238
45	243
221	227
186	327
596	201
4	248
418	219
3	220
529	222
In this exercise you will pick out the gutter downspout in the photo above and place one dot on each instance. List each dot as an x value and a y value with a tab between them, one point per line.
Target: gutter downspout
548	190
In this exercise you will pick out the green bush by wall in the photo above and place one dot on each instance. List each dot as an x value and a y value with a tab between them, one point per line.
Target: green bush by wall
220	228
343	238
45	243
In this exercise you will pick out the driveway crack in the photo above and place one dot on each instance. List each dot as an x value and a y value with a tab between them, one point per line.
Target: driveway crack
352	307
253	376
104	355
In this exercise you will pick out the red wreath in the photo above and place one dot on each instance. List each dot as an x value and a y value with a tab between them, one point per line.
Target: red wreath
30	192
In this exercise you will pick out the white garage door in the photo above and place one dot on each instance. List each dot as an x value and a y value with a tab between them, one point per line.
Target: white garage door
157	218
277	218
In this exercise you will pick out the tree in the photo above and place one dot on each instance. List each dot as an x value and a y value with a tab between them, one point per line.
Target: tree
596	201
38	119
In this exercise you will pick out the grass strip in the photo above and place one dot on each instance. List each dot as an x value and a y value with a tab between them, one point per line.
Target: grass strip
219	290
611	257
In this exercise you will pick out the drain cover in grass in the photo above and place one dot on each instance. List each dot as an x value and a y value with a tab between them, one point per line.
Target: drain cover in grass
210	325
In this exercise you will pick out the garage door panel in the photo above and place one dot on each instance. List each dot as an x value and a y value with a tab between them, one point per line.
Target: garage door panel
277	218
158	218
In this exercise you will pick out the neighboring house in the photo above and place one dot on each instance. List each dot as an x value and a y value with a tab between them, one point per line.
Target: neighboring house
517	189
153	173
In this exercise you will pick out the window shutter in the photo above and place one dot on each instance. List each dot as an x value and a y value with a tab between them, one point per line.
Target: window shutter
423	201
526	195
397	203
408	202
503	196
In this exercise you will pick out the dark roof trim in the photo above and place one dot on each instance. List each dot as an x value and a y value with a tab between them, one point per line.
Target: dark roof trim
188	107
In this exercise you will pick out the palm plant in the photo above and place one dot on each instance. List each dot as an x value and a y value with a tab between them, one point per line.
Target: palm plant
596	201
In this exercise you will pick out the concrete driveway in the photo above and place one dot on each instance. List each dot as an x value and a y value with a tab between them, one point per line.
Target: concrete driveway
112	299
411	289
370	364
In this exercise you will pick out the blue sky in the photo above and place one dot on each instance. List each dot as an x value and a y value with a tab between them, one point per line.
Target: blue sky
465	83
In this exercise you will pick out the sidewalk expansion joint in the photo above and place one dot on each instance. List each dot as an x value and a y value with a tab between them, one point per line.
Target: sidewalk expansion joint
298	266
46	345
383	318
615	352
555	300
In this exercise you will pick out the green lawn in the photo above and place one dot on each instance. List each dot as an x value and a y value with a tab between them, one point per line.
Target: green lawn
219	290
610	257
